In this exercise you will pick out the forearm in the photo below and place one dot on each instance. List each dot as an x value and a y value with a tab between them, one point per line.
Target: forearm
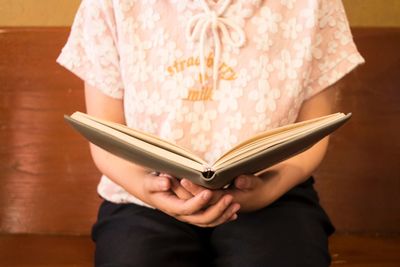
124	173
298	168
295	170
128	175
279	179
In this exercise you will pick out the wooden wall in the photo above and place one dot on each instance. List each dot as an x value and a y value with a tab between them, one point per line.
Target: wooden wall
359	181
48	183
46	175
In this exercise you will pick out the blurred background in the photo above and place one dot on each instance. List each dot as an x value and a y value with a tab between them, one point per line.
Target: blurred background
48	199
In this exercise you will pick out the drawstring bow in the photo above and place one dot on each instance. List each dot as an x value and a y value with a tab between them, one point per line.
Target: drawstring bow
211	19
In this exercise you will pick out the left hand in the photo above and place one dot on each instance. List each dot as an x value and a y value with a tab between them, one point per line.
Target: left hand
250	191
197	210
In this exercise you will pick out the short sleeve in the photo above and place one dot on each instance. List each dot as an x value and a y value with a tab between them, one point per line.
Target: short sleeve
91	51
334	53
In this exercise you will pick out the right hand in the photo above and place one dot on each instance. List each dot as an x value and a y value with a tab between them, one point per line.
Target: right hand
166	194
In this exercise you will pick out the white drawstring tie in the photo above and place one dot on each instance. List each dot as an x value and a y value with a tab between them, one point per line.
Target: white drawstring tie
198	26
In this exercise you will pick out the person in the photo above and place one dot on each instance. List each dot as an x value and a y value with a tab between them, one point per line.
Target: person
206	75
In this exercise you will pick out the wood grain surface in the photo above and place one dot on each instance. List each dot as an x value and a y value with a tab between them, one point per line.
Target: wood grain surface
77	251
48	182
359	182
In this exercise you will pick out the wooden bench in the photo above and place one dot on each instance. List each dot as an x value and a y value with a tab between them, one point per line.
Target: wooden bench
48	198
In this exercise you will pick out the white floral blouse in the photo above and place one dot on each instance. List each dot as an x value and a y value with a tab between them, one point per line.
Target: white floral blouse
208	74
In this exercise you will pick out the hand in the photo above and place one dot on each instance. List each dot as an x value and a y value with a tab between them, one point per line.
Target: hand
250	191
197	210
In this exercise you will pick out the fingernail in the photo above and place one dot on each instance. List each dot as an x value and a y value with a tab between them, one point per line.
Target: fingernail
234	217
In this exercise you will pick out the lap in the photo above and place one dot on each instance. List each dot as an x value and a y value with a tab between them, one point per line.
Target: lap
131	235
293	231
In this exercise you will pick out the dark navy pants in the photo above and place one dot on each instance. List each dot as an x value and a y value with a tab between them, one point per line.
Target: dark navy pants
291	232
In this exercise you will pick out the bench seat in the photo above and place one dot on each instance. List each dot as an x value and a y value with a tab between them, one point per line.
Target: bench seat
77	251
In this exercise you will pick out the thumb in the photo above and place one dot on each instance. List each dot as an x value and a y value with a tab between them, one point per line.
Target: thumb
191	187
157	184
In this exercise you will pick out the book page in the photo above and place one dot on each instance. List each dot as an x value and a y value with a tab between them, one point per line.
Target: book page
280	129
256	147
146	137
271	138
153	149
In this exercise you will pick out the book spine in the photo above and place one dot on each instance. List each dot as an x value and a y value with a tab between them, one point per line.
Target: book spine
208	174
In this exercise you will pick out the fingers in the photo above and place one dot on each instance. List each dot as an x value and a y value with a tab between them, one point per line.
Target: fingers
191	203
230	214
163	182
191	187
179	190
195	203
221	212
156	183
195	189
196	210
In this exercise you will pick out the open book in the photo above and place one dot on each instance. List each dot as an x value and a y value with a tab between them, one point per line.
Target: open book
253	155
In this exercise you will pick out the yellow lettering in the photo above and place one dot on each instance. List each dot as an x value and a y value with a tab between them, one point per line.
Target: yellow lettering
170	70
229	76
223	67
176	66
210	60
182	65
207	94
227	73
203	79
199	95
191	95
190	62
